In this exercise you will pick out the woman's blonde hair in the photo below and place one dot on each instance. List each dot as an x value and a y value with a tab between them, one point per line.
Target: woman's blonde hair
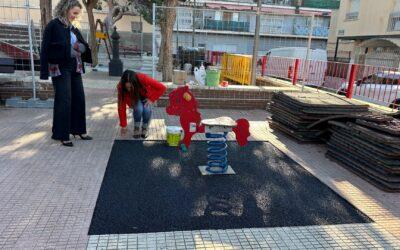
62	8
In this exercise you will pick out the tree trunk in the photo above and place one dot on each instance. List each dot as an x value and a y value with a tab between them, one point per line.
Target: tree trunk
92	27
160	64
45	13
108	19
166	33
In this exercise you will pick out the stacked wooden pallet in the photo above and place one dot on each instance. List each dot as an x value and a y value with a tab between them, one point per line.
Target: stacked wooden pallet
299	114
370	148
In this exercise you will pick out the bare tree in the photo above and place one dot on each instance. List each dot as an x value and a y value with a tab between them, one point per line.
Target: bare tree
90	5
116	10
45	12
166	19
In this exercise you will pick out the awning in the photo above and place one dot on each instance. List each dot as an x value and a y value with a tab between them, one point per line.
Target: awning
381	42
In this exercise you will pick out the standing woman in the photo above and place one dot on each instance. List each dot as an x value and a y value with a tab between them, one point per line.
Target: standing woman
63	52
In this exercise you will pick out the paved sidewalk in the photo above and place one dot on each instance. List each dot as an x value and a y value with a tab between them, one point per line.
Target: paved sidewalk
48	192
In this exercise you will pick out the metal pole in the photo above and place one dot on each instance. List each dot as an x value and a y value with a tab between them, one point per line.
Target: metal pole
177	37
28	17
350	87
296	71
141	37
193	20
305	64
336	49
255	45
154	42
87	33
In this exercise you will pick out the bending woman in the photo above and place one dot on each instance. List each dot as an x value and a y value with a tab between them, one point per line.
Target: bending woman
137	91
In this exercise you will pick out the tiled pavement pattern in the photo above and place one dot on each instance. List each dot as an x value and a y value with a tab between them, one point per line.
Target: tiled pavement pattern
48	192
361	236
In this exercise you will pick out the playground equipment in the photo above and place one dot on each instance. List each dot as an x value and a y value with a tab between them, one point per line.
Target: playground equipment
103	35
183	104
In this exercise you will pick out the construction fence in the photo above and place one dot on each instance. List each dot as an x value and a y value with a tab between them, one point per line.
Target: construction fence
202	35
223	40
220	39
20	41
374	84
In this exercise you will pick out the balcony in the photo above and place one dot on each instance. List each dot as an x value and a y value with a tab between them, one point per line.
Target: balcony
351	16
326	4
226	25
318	31
268	27
270	2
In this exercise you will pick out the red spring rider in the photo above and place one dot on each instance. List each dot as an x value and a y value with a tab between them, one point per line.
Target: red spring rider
183	104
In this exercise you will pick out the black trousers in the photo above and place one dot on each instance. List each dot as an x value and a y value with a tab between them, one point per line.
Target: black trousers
69	115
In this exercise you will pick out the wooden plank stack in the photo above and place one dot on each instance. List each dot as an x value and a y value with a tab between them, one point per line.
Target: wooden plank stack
296	113
370	149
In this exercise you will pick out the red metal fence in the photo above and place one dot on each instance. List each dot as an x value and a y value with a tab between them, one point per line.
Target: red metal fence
374	84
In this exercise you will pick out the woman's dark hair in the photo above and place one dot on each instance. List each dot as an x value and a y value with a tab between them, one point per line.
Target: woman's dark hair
130	76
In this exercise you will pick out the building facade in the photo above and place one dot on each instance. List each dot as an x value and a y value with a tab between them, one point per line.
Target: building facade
229	26
369	30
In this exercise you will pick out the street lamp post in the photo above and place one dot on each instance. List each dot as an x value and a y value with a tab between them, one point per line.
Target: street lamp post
256	44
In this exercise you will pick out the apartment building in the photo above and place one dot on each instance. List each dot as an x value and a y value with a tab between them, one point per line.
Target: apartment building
230	25
369	30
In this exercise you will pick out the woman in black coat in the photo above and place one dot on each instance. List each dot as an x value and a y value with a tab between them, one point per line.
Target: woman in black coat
63	53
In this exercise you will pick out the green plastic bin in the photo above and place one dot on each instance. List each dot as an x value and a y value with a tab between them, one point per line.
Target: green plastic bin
212	78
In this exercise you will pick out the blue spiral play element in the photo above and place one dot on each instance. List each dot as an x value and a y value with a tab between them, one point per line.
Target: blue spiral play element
216	153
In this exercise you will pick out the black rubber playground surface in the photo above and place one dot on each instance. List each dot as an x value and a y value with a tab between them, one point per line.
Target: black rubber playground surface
149	187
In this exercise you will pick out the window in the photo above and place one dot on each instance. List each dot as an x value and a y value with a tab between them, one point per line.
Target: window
394	21
235	17
227	16
272	25
218	15
354	8
278	2
394	18
136	27
184	19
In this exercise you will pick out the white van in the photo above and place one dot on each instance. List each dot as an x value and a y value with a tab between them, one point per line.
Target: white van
280	63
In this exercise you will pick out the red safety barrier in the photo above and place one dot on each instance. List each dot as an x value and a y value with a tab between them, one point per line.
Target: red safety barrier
214	57
263	65
279	67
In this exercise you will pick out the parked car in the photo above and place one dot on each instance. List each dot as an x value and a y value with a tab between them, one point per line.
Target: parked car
381	88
